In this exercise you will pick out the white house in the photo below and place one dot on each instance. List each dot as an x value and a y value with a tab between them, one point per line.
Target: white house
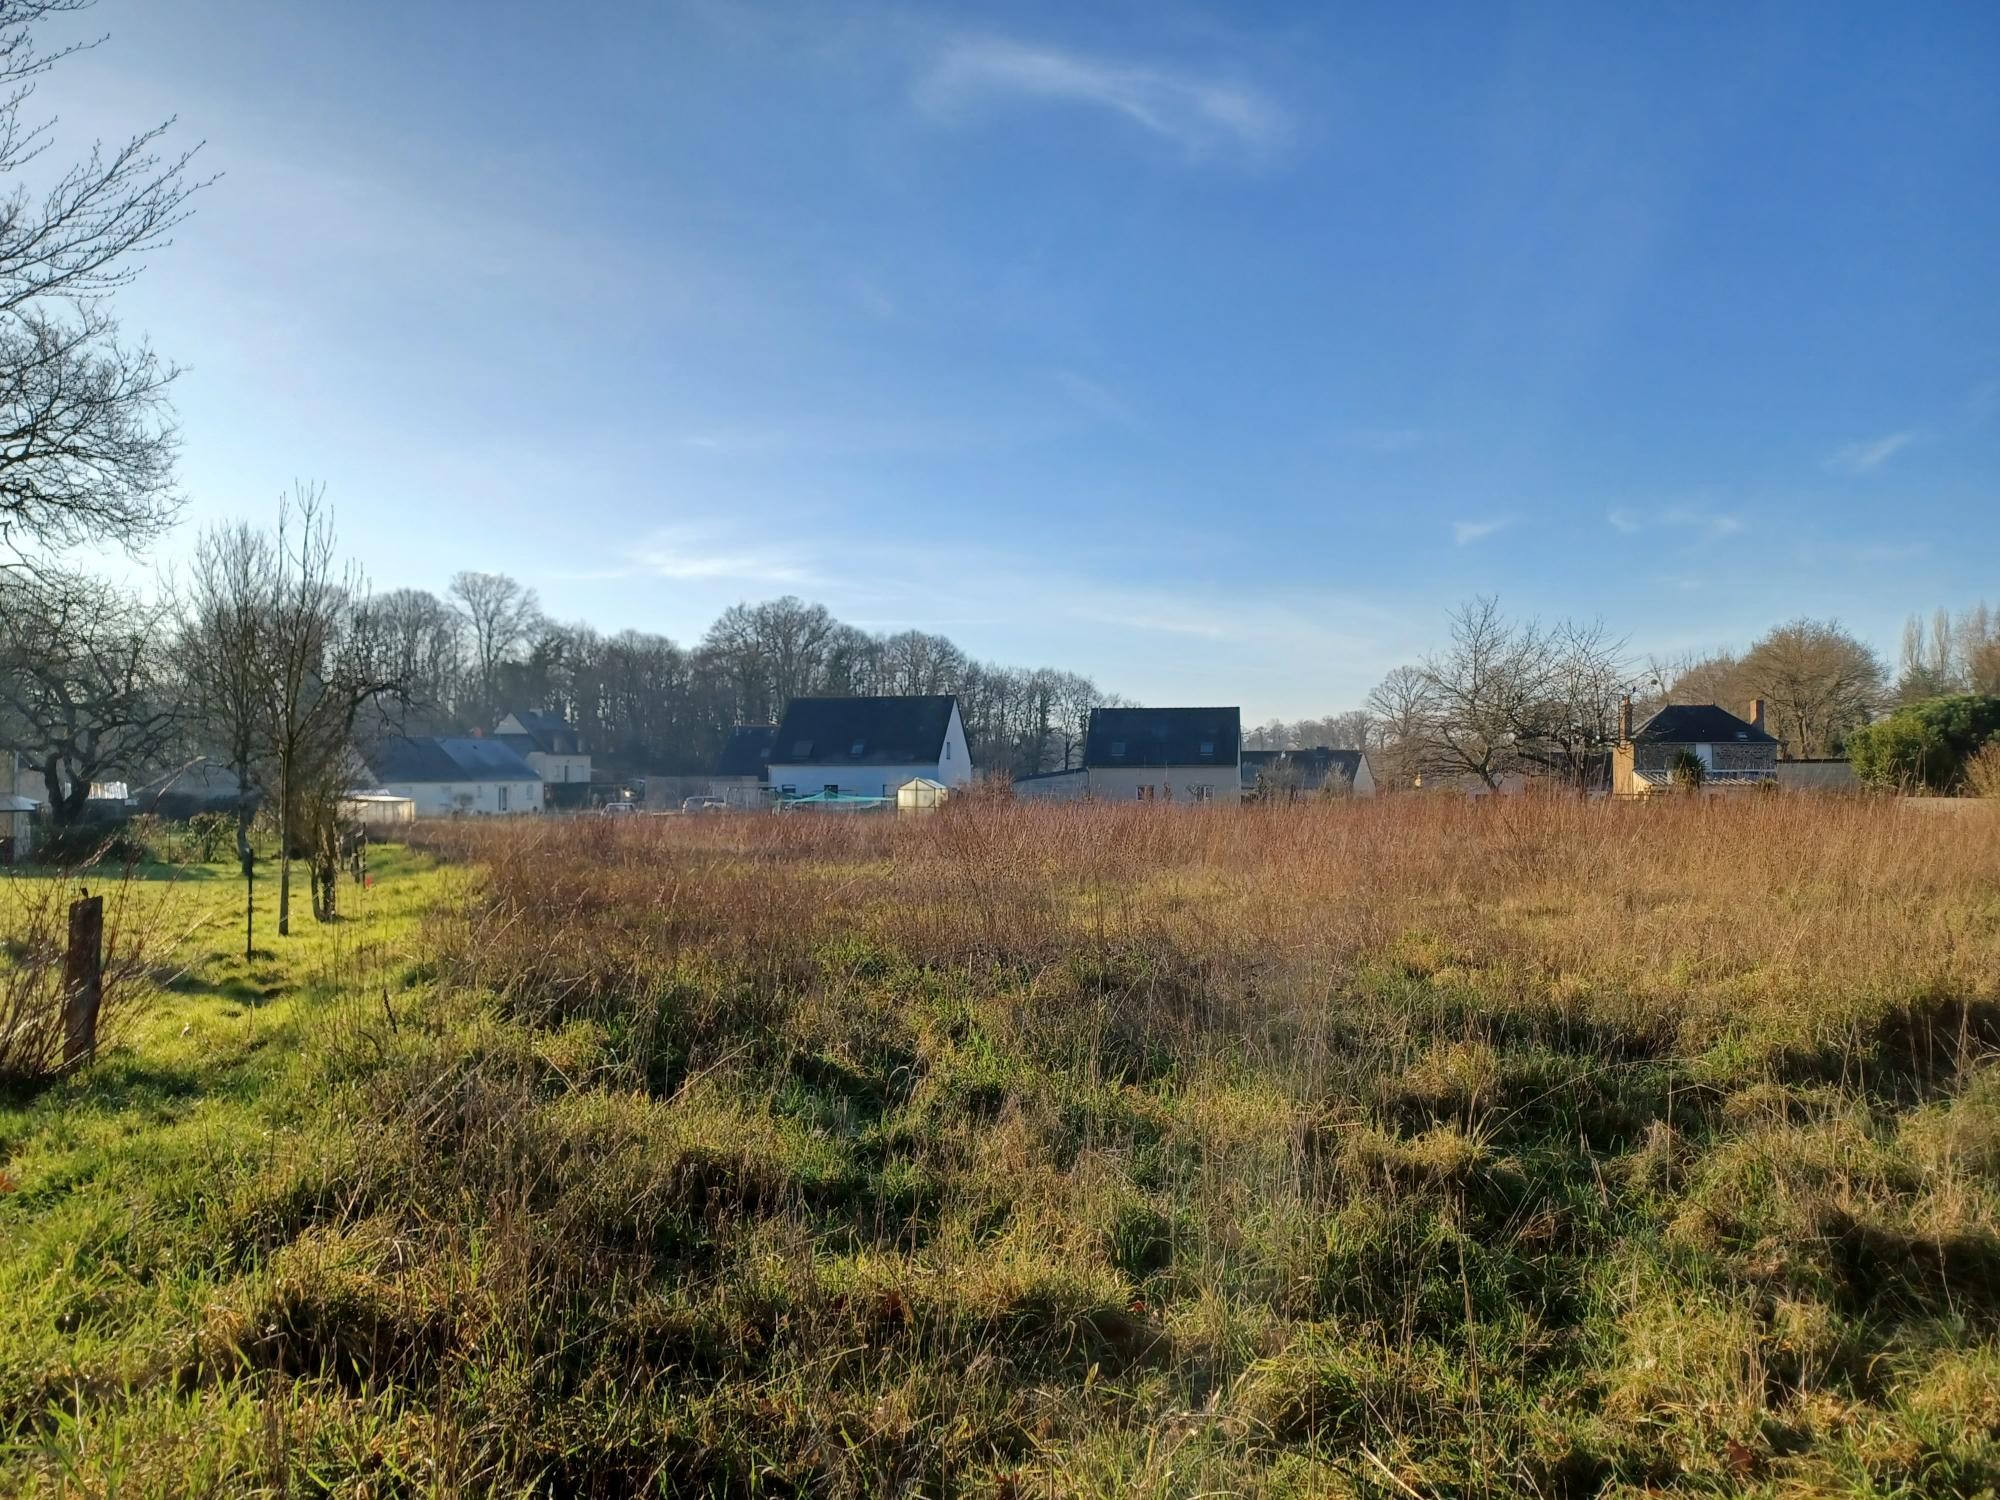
454	777
549	743
867	747
1187	755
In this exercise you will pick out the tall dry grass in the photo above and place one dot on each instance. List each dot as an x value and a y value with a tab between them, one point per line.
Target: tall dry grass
1411	1146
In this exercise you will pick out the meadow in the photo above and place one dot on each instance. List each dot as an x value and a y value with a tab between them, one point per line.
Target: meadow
1404	1147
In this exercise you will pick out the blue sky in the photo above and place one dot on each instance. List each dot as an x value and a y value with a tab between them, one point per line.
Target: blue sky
1215	351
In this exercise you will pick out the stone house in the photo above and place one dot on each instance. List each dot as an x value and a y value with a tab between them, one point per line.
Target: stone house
1734	753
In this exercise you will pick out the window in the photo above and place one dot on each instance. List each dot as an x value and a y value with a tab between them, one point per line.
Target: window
503	799
802	749
856	748
1201	792
947	749
1208	749
788	791
1145	793
832	789
1117	749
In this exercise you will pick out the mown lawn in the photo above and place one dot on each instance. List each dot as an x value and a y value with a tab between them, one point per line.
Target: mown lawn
1415	1148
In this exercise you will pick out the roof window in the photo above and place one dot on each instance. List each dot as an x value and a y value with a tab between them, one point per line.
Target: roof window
1208	748
856	748
801	749
1117	749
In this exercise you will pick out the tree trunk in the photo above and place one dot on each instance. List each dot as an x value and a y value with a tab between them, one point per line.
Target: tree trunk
65	807
285	855
248	860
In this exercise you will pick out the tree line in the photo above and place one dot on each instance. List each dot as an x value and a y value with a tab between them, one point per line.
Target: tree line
1507	697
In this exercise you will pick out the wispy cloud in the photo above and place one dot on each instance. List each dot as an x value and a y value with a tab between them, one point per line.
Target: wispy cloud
1700	519
1464	533
1863	458
689	554
1203	116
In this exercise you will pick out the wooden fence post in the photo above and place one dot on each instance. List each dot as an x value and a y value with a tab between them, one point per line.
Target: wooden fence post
83	980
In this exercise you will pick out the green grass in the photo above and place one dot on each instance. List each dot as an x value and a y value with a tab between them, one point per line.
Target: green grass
935	1159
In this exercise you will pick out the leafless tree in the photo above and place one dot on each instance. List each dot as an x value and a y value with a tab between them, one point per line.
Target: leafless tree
325	664
223	649
1819	681
1505	697
87	447
81	682
425	639
499	614
1401	708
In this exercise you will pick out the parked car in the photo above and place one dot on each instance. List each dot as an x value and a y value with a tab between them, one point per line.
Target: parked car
704	805
618	809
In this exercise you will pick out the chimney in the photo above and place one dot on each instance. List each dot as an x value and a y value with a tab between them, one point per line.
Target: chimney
1625	720
1756	713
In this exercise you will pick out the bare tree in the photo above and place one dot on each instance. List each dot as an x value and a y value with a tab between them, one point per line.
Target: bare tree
1401	708
226	619
325	664
1819	681
81	682
499	613
1504	698
86	445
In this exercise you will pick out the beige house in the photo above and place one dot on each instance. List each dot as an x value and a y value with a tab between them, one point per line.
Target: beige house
1733	753
1185	755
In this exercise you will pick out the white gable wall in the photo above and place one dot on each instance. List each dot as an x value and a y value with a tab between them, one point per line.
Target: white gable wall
952	768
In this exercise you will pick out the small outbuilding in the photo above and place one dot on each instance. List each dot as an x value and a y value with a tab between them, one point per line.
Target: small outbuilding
921	794
378	809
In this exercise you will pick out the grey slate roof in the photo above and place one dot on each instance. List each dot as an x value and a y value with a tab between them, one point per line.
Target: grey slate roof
428	758
863	731
1313	765
1698	724
747	751
547	732
1162	737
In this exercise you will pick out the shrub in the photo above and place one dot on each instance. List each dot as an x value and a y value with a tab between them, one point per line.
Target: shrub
1925	747
1688	771
32	998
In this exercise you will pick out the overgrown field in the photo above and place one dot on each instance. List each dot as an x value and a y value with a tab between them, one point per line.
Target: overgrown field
1399	1147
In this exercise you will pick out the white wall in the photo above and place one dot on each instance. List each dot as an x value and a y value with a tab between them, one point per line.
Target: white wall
444	799
560	768
1121	783
856	781
953	767
1364	779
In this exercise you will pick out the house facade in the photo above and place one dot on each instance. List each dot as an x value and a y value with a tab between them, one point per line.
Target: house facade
867	747
1185	755
1734	753
446	777
1282	775
551	745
